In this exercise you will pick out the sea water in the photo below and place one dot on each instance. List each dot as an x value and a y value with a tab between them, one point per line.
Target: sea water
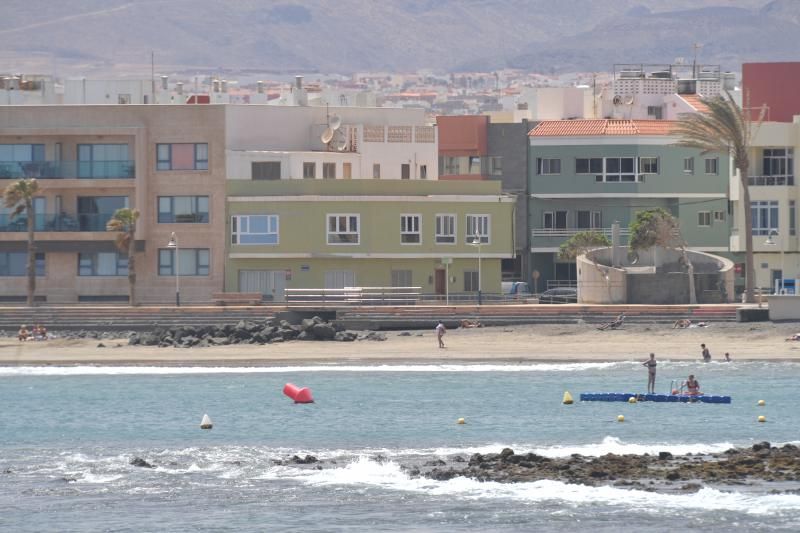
67	435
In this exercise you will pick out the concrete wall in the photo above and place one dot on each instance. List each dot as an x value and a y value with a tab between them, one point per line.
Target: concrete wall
784	307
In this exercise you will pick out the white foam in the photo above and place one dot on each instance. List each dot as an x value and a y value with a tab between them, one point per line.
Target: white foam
97	478
388	475
89	370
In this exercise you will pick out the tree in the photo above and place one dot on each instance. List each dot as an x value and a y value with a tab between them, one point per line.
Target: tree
727	129
19	196
657	227
124	223
580	243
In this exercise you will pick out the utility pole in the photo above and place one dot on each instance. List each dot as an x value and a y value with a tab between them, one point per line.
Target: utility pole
695	47
153	76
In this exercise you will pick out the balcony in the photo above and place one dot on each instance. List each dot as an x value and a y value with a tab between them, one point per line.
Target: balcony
56	222
771	180
566	233
67	169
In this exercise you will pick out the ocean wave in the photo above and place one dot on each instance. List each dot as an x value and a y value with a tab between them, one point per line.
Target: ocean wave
365	472
90	370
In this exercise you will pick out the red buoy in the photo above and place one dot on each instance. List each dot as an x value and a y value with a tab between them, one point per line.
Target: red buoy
297	394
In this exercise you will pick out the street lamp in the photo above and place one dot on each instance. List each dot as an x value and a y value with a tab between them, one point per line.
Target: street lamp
173	245
771	242
477	242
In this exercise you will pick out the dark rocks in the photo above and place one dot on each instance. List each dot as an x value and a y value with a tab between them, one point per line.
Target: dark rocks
307	460
760	463
249	332
141	463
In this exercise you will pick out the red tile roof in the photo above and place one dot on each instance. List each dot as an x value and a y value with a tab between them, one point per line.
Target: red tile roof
572	128
695	100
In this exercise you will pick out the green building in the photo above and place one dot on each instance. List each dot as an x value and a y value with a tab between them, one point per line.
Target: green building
442	237
588	174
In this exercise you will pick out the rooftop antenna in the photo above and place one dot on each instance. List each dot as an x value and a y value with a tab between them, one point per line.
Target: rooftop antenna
695	48
153	76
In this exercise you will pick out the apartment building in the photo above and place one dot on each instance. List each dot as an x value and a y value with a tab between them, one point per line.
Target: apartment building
588	174
167	161
443	237
774	198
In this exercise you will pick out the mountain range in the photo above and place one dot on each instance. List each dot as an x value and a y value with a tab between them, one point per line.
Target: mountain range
117	37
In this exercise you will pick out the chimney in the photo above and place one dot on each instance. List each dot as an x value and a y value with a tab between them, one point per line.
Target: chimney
179	87
260	87
224	86
164	84
215	86
298	82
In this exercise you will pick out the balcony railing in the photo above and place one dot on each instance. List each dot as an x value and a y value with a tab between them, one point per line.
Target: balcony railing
569	232
57	222
771	180
67	169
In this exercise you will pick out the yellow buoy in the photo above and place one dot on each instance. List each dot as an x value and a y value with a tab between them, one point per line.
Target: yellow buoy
621	418
632	399
762	418
761	403
461	421
567	398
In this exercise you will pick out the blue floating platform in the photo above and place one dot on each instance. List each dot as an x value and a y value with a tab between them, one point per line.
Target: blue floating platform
625	396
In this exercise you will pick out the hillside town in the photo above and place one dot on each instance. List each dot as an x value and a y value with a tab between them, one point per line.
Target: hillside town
459	187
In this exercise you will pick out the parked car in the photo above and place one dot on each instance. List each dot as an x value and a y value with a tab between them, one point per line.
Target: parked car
559	295
516	289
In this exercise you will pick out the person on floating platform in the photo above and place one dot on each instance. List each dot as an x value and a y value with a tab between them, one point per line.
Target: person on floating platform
651	373
692	386
617	323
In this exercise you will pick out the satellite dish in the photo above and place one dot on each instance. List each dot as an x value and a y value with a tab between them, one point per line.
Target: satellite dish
327	135
617	100
340	143
335	122
629	100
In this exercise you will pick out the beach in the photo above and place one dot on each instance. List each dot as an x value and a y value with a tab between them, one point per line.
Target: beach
528	343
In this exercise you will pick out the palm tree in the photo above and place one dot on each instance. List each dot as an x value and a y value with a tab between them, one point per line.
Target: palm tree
19	196
124	223
726	128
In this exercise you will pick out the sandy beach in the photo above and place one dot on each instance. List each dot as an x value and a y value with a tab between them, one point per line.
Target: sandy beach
529	343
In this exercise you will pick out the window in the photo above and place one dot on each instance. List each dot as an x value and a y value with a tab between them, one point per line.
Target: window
778	162
376	171
474	165
655	111
309	171
445	229
339	279
620	169
470	281
347	170
460	165
21	153
104	161
548	220
102	264
401	278
329	171
765	217
266	170
343	229
704	218
477	227
719	216
589	220
792	218
423	172
555	220
648	165
191	262
712	165
496	165
409	229
183	156
95	211
405	171
254	229
182	209
688	165
548	166
589	165
16	264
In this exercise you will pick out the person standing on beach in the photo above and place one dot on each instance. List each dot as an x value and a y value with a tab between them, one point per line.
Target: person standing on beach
440	331
651	373
706	353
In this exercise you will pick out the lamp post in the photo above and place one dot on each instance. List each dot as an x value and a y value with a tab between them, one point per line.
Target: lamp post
477	242
173	245
771	242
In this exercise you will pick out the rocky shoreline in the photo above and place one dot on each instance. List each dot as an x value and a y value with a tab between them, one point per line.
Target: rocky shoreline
663	472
